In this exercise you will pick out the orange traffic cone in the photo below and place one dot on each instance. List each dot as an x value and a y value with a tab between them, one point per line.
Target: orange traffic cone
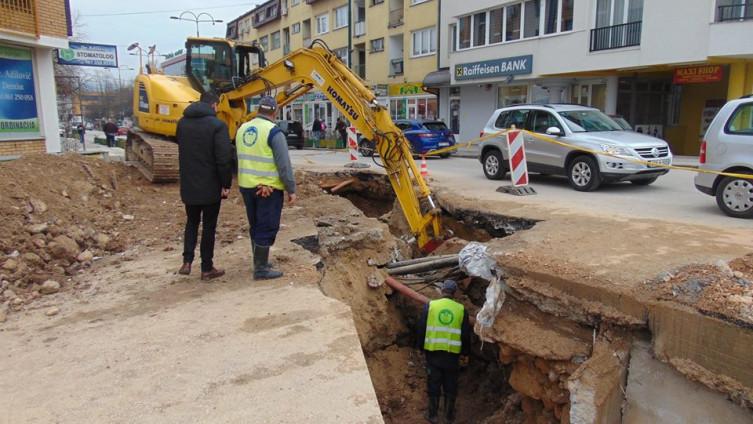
424	167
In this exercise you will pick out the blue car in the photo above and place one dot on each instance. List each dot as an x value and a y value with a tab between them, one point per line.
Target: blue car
423	136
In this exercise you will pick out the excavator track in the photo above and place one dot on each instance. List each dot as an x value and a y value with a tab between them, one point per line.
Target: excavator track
156	158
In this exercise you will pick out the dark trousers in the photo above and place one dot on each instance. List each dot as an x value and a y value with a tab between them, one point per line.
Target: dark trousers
207	215
263	215
110	140
442	377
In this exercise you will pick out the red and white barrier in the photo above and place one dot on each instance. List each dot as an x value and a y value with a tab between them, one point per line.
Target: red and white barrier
424	167
517	154
353	150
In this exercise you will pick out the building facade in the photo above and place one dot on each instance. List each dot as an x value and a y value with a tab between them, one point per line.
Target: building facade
666	66
392	47
30	31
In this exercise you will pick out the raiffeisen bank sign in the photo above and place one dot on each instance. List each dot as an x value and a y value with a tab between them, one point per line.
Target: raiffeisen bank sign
518	65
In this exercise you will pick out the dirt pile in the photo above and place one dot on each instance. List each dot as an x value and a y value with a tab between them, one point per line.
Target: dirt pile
724	290
61	213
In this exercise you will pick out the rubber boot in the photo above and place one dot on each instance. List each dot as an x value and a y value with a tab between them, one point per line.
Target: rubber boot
262	269
431	414
449	409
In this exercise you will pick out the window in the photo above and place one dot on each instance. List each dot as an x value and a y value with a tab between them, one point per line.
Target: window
418	1
510	95
741	121
500	122
464	32
542	121
295	28
424	42
276	40
377	45
496	20
342	53
532	18
479	29
294	2
453	37
341	17
550	12
614	12
512	17
567	15
264	42
375	2
517	118
322	24
270	11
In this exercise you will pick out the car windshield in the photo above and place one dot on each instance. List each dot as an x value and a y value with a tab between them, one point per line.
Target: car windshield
589	121
435	126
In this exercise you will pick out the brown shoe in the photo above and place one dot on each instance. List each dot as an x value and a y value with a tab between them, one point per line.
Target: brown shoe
185	269
214	273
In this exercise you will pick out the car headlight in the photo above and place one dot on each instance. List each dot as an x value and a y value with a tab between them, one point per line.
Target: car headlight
616	150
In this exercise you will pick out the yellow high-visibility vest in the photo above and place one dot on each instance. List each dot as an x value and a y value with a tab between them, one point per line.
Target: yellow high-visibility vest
443	326
256	163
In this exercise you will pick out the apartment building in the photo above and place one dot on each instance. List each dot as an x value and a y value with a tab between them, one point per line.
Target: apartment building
666	66
30	30
391	44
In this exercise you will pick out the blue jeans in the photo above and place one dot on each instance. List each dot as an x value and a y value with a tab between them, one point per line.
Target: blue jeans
110	140
263	215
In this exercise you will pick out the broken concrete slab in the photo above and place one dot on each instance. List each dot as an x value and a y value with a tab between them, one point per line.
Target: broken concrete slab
656	393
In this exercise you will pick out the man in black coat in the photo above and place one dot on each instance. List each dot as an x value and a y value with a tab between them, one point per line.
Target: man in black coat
205	157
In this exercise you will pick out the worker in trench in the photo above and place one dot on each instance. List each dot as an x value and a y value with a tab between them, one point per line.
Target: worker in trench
264	175
444	333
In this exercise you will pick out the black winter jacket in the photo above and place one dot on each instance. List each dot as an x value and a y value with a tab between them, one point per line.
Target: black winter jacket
205	155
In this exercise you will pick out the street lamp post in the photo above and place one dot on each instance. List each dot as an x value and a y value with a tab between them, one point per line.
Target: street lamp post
196	18
120	80
141	54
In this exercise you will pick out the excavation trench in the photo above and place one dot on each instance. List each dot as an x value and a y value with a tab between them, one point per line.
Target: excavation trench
537	363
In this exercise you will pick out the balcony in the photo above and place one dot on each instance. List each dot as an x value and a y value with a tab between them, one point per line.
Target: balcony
360	29
616	36
396	18
266	13
396	67
737	12
19	15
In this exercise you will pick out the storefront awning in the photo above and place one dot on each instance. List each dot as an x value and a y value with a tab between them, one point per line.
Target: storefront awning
436	79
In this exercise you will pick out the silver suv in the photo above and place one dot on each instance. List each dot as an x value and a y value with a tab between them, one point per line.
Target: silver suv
728	147
579	126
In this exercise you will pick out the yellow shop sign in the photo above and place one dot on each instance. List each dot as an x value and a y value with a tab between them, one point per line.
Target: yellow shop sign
407	89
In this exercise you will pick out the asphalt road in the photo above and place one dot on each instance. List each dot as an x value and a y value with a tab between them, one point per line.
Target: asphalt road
672	198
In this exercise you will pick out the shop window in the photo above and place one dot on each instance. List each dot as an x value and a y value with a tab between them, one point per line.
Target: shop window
510	95
512	18
464	32
540	95
432	108
455	115
532	18
479	29
496	21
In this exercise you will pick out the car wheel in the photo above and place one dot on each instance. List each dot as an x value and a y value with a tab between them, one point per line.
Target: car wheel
584	174
494	165
444	155
644	182
365	149
299	147
735	197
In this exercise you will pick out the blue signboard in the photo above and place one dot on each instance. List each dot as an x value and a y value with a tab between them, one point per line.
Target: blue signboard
18	103
518	65
86	54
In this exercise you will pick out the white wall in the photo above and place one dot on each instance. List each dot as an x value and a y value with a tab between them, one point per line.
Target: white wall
47	98
476	107
673	32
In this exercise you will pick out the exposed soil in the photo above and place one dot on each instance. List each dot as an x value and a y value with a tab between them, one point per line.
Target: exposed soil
724	290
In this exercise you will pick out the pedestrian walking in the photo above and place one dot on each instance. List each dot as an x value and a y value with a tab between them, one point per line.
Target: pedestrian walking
81	128
111	130
342	130
444	334
316	130
205	159
264	175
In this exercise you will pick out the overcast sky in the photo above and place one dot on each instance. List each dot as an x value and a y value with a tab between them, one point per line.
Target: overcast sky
148	22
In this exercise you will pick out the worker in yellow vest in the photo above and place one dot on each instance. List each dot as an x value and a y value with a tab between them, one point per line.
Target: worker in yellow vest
264	175
444	333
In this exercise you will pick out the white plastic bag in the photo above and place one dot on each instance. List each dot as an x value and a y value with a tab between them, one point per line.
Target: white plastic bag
475	262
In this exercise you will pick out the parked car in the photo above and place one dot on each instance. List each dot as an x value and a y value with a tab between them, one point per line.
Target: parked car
579	126
728	146
293	132
122	131
423	136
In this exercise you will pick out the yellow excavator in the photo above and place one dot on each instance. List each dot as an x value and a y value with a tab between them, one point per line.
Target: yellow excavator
238	72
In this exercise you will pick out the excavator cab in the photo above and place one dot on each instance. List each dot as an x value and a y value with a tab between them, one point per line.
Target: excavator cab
220	65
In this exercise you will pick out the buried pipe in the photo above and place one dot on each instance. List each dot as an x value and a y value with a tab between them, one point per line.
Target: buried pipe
406	291
342	185
418	261
424	266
